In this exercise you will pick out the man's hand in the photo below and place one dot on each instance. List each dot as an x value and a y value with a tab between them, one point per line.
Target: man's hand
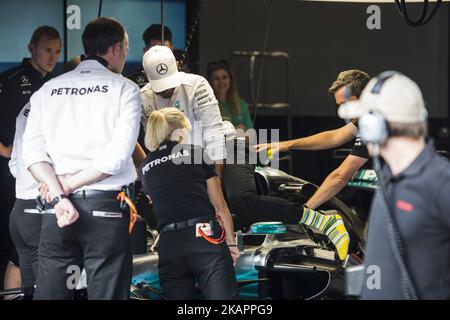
44	191
275	147
5	152
65	212
234	254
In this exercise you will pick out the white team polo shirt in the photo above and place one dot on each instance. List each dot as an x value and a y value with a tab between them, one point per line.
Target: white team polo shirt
26	186
87	116
195	98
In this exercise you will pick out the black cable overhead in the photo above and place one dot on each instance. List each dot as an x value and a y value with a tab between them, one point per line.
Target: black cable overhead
100	5
423	19
266	40
191	32
65	45
162	22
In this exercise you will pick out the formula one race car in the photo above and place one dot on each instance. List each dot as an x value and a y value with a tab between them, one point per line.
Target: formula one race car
277	261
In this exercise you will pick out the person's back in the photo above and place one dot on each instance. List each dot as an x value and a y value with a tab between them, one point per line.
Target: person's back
176	169
408	246
89	97
196	243
80	135
424	226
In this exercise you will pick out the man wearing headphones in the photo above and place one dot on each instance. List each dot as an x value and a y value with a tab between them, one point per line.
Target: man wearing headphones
407	254
348	86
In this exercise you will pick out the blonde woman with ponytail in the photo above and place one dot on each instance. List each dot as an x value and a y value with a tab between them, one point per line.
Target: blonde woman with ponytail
164	125
196	229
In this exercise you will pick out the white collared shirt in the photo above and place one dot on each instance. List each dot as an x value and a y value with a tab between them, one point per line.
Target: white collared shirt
195	98
87	116
26	186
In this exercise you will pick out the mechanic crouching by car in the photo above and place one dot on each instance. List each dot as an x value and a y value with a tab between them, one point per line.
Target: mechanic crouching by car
408	248
197	241
249	207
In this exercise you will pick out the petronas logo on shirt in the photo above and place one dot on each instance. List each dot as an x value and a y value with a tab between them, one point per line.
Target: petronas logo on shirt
177	104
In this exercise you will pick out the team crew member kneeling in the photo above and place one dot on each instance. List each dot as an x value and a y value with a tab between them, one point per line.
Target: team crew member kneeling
197	239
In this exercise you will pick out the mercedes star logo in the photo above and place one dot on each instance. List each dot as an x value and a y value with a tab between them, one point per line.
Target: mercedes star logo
162	68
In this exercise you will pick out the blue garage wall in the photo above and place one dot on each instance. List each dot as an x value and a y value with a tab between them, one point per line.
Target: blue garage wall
18	19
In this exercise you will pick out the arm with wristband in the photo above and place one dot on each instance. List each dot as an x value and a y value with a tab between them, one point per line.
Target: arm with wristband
223	214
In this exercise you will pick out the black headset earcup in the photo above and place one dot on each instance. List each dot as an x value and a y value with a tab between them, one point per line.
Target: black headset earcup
373	128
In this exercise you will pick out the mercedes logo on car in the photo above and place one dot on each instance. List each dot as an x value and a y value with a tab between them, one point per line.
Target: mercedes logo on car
162	68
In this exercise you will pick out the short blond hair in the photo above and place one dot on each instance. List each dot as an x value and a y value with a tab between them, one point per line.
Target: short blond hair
163	126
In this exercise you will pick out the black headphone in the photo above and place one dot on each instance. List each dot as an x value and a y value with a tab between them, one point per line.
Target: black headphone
373	127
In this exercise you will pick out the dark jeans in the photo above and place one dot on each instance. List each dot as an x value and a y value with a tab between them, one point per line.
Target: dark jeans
7	198
247	206
25	230
185	259
101	244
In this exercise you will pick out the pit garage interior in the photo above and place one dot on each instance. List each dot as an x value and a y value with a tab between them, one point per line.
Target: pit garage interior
285	55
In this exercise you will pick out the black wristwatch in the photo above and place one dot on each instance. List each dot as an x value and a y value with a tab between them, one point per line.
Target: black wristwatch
58	198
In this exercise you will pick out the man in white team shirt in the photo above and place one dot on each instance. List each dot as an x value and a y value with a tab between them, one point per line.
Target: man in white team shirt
25	222
80	135
25	219
190	93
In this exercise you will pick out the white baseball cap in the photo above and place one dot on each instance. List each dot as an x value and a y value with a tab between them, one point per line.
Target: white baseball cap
397	98
161	68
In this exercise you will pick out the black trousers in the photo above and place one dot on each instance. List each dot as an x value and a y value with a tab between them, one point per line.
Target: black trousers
98	240
7	198
185	259
25	230
250	207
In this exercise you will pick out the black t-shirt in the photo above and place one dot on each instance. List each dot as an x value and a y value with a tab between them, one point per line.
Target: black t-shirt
359	149
16	87
174	176
420	202
139	77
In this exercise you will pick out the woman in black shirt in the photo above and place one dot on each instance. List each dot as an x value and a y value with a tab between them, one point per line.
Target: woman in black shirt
197	241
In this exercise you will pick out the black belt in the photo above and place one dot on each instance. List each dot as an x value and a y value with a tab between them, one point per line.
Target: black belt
101	194
180	225
91	194
94	194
